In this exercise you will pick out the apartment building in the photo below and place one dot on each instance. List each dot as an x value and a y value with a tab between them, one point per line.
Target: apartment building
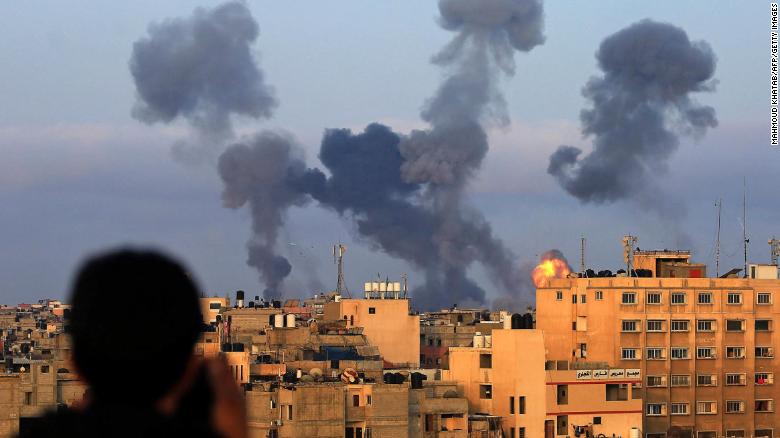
705	347
512	381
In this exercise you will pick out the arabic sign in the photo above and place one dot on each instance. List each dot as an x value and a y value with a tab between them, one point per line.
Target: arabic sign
609	374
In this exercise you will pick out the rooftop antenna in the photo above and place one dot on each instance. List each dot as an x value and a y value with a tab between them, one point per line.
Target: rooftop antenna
582	256
406	281
628	252
774	244
717	242
338	258
745	239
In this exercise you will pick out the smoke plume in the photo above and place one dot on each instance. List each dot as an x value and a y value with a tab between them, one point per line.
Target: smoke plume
640	106
201	69
267	173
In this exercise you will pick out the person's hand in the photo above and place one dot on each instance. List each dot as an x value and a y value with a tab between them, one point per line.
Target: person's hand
228	416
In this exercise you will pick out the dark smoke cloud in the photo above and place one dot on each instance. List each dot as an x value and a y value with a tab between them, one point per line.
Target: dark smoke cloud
267	173
201	69
640	106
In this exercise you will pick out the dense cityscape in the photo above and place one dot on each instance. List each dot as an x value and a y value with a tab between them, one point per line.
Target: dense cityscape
666	351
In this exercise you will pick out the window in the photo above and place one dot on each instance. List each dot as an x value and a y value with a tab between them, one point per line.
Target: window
681	380
679	409
764	406
764	298
628	298
629	354
655	409
735	379
656	381
735	325
511	404
596	420
705	352
678	298
706	407
574	298
705	325
764	378
763	325
704	298
655	325
655	353
706	380
273	403
486	392
653	298
679	353
521	405
764	433
583	350
28	398
630	325
44	369
679	325
438	342
372	310
734	298
369	400
735	406
558	295
521	432
289	411
485	361
617	392
764	352
583	298
737	433
735	352
599	295
562	394
214	306
355	400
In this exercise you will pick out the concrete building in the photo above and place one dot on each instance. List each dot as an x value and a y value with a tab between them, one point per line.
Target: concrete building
512	383
705	347
386	322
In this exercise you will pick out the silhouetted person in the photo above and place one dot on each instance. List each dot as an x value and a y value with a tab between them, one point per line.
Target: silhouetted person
134	321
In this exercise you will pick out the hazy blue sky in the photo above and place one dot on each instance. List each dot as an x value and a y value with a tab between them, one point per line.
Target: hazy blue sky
78	174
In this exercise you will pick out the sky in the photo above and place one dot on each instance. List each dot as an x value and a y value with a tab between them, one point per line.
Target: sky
78	174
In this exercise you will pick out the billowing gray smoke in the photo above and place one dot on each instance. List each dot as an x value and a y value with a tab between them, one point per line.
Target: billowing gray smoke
640	106
201	69
268	173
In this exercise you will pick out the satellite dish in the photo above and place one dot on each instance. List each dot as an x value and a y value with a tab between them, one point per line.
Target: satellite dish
349	375
315	372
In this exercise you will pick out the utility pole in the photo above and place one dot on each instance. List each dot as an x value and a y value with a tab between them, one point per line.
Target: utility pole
717	242
745	239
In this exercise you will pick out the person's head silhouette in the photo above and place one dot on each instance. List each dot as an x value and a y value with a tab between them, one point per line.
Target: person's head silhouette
134	321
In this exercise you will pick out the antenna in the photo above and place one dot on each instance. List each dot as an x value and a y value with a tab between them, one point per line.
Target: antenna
774	244
582	256
628	252
717	242
745	239
338	258
406	281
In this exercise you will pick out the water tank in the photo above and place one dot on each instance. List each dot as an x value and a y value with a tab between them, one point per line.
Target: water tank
278	320
488	341
239	299
634	433
517	320
479	341
289	320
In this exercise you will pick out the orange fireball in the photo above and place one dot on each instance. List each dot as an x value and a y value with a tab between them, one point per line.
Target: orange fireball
552	265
